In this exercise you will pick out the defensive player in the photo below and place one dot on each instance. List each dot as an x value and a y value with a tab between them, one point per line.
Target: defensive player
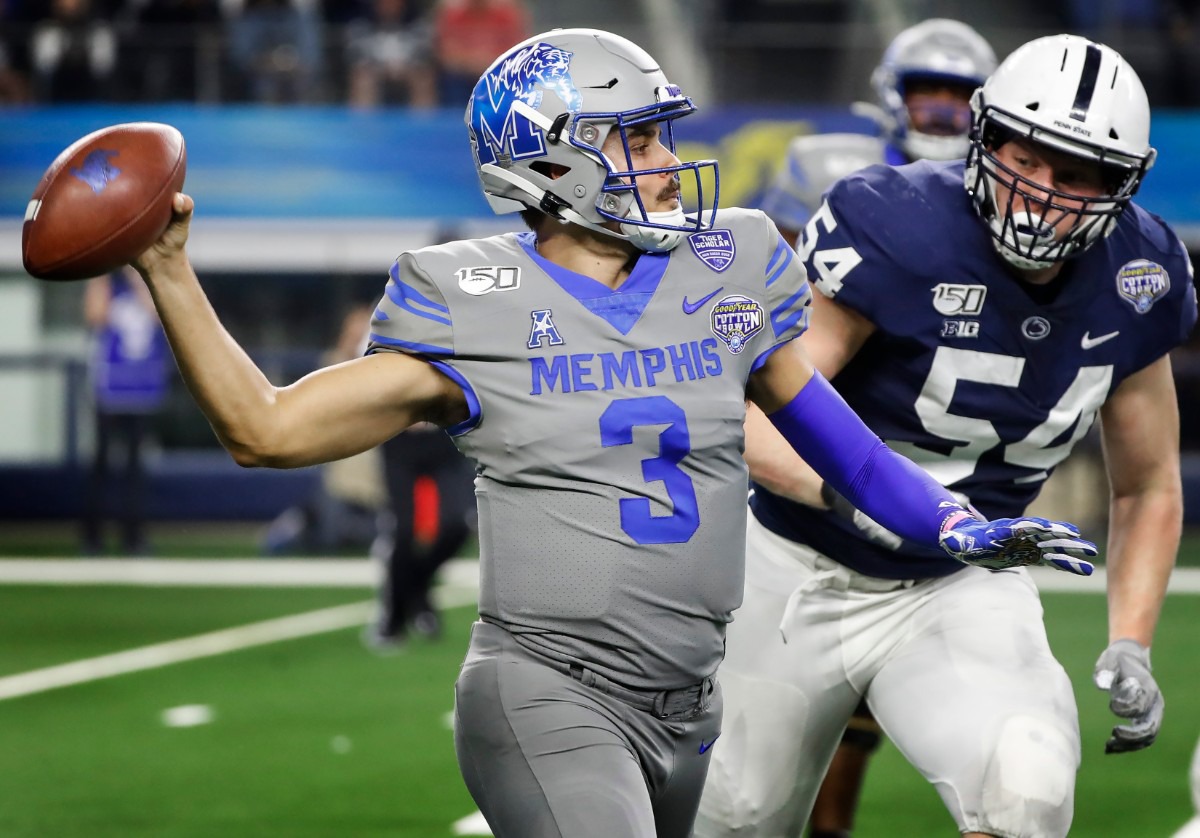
596	371
978	316
923	87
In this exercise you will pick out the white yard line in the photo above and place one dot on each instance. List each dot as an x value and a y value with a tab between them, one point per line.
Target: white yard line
362	573
460	587
1184	580
185	649
450	595
238	573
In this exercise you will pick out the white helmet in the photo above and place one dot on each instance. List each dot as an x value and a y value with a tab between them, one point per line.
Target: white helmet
551	101
1076	97
937	50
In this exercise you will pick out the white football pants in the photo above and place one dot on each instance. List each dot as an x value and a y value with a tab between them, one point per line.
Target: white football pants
957	670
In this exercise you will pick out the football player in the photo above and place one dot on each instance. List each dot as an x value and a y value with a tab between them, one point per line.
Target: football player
979	315
923	87
596	370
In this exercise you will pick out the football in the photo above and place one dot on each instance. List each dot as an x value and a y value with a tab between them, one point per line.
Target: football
103	201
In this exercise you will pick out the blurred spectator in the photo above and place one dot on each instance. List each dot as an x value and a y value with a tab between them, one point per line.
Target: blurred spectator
343	512
1183	43
431	500
342	12
275	48
129	367
73	54
468	36
16	25
390	58
166	49
1185	363
14	88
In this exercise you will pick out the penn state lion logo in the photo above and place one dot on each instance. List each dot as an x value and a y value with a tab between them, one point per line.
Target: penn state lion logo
525	75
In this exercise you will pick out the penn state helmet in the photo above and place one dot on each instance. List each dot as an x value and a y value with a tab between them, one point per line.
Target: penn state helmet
549	104
1077	97
939	50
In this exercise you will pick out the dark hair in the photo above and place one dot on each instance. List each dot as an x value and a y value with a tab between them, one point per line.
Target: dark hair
533	218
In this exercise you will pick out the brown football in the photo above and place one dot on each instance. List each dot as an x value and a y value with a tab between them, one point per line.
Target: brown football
103	201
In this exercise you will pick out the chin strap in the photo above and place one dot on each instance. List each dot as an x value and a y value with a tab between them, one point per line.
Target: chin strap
649	239
657	239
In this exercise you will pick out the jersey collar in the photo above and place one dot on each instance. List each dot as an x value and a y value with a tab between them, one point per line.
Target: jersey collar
621	307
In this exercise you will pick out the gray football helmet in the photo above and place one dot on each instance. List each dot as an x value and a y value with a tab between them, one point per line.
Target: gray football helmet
938	50
552	101
1079	98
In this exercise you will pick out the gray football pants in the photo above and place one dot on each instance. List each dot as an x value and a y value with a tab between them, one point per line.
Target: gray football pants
548	752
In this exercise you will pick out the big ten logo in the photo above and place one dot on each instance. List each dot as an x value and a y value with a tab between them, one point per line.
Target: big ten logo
960	328
482	280
749	156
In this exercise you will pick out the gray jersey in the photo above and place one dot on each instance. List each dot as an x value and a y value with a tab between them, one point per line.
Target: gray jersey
607	431
813	164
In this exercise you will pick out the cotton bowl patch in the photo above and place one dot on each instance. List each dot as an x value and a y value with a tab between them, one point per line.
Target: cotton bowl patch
714	247
1143	283
735	319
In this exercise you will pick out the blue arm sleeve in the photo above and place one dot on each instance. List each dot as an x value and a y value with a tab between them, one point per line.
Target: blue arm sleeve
849	457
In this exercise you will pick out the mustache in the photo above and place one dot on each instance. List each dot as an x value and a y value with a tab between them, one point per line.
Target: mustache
671	190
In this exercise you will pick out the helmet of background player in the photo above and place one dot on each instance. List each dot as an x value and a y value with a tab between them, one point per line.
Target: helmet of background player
935	54
540	115
1075	97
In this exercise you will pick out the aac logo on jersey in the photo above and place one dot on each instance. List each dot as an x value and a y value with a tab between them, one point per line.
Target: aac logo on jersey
1143	283
543	328
482	280
736	319
714	247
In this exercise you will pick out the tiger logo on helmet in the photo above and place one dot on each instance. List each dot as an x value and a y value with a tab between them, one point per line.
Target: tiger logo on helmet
524	76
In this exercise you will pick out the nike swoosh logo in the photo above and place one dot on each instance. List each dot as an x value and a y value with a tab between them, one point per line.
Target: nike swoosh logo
703	746
1088	342
690	308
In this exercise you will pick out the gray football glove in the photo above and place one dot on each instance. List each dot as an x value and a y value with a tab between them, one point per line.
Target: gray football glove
1018	542
1124	671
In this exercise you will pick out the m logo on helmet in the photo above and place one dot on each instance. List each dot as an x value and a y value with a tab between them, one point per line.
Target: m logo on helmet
524	76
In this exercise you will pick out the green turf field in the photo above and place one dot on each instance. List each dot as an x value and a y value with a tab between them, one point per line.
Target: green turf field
317	737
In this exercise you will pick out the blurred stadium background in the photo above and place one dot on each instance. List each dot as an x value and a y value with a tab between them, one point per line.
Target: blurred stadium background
311	172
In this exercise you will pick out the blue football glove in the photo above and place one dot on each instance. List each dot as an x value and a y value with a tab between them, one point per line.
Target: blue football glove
1124	671
1018	542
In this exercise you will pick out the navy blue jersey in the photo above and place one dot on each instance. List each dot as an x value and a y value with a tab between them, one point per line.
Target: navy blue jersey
984	381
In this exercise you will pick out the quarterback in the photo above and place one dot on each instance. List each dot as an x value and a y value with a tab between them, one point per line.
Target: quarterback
596	370
979	315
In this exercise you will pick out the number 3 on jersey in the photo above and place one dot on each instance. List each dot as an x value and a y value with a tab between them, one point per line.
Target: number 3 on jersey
674	443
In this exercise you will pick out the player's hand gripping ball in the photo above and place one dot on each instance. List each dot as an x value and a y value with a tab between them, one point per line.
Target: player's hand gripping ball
103	201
